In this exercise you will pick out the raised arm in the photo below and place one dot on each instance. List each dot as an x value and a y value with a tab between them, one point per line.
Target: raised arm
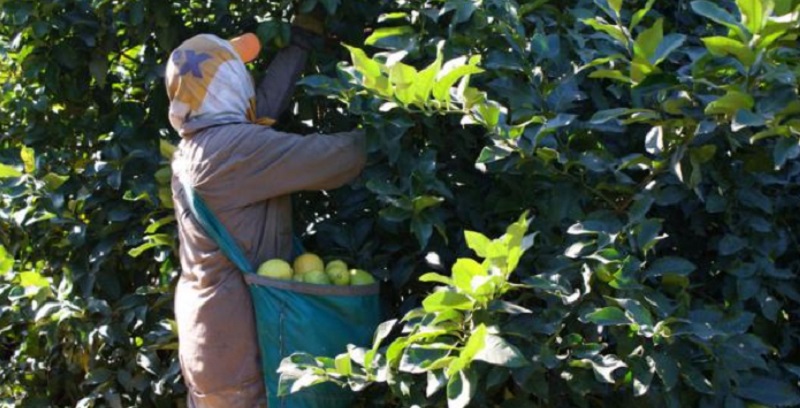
275	91
254	164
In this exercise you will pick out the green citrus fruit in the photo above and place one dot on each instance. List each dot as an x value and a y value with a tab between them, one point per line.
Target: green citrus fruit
339	275
336	263
308	262
360	277
276	269
316	277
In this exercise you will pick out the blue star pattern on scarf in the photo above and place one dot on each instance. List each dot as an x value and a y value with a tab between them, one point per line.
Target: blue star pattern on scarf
191	62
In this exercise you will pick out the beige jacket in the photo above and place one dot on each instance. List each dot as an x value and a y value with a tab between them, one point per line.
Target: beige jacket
245	173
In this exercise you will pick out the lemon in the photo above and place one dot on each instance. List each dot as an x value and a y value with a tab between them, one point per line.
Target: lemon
317	277
276	269
360	277
308	262
339	275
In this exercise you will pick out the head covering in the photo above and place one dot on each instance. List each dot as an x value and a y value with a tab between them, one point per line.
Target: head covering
208	83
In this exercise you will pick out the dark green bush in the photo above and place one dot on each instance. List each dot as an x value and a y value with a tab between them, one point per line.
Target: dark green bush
653	144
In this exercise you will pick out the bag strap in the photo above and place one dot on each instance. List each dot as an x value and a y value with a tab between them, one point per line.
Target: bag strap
215	230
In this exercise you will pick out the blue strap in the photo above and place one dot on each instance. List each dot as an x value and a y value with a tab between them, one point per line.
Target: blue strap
297	247
215	230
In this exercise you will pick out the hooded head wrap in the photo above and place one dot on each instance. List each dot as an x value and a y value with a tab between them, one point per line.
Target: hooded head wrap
208	84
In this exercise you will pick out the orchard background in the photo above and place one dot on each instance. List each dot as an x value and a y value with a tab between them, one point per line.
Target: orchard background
651	145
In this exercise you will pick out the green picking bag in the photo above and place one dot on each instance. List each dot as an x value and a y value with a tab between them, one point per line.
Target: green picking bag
297	317
318	319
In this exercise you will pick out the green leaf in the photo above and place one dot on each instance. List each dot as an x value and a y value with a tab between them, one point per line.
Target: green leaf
608	8
33	278
648	41
436	379
610	74
7	171
445	300
343	364
616	5
363	63
640	14
382	332
695	379
654	141
464	271
717	14
426	78
602	61
754	13
474	345
461	389
783	7
499	352
723	46
603	116
604	367
608	316
422	202
667	46
670	265
614	31
395	350
435	277
515	233
477	242
637	313
28	159
770	392
6	261
745	119
464	9
576	250
642	371
97	376
787	148
385	32
730	244
156	225
452	72
667	369
53	181
647	234
730	103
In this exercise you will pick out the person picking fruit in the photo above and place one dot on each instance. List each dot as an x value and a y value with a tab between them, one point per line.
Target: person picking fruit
245	171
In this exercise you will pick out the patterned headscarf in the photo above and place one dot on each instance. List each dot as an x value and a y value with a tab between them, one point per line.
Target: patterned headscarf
208	85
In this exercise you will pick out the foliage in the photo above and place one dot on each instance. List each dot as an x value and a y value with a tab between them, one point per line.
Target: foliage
655	145
457	326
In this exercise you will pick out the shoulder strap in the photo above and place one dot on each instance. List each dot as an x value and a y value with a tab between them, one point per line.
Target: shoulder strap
215	230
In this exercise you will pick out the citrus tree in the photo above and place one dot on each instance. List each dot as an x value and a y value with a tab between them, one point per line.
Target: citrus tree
653	146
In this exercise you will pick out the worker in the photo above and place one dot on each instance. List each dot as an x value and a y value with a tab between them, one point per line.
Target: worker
245	171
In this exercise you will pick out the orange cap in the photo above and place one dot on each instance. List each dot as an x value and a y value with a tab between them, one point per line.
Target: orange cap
247	46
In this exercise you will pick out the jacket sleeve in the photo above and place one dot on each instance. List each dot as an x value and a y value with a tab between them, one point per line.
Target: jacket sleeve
275	91
268	164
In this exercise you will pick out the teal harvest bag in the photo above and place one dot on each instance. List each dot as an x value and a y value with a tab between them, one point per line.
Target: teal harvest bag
298	317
